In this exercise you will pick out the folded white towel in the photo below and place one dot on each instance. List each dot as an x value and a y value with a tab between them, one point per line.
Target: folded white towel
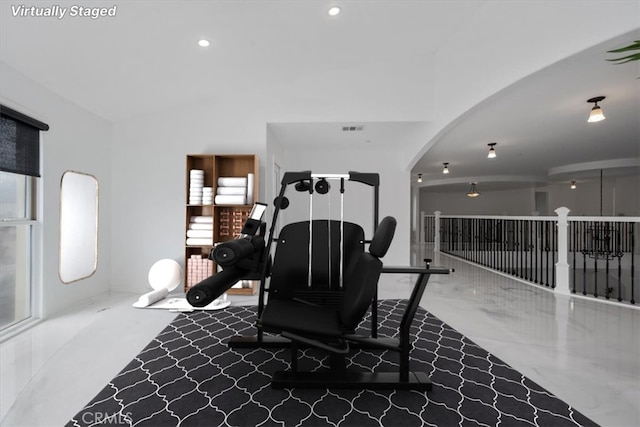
230	200
232	181
232	191
202	219
207	234
199	241
198	226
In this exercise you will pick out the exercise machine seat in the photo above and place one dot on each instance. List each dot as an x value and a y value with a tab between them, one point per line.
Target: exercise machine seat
306	319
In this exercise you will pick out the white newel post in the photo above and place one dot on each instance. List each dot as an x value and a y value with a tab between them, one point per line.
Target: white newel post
562	266
436	232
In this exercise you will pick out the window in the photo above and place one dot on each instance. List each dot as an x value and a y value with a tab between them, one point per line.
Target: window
19	169
16	233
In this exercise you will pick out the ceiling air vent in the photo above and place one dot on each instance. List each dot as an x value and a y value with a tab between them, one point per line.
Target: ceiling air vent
352	128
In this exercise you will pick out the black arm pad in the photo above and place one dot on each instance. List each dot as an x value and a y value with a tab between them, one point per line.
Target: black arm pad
205	292
230	253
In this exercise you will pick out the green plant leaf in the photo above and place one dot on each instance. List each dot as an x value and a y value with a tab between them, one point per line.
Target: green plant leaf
624	59
634	46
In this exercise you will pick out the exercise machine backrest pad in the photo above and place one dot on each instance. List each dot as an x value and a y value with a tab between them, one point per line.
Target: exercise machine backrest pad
290	270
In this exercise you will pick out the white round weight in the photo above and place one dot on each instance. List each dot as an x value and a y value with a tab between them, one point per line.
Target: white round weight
165	274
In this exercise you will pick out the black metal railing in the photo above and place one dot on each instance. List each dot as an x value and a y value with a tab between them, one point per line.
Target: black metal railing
602	252
429	228
604	256
525	248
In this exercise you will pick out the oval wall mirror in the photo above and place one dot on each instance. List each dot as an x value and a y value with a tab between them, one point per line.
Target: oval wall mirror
78	226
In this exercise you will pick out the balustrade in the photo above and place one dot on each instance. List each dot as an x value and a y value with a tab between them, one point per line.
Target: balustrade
580	255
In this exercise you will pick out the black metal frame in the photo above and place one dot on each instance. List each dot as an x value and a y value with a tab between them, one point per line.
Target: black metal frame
290	178
339	377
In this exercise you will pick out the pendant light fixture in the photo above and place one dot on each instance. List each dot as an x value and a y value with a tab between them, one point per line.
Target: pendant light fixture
573	185
473	191
445	169
419	177
492	150
596	114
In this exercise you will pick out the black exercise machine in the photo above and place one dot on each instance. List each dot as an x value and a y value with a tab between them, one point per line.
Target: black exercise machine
320	285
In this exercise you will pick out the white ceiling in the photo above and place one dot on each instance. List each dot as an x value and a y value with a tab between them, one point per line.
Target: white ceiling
541	130
370	67
147	59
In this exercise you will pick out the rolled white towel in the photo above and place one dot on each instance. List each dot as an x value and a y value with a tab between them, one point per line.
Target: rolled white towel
202	219
232	191
231	200
198	226
199	241
207	234
230	181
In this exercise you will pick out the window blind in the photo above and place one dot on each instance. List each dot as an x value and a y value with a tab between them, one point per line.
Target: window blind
20	142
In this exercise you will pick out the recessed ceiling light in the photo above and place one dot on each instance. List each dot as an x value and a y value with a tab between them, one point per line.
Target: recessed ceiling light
203	43
335	10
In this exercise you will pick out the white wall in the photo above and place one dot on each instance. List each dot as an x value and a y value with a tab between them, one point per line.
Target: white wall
148	164
77	140
627	196
620	196
511	202
148	183
275	155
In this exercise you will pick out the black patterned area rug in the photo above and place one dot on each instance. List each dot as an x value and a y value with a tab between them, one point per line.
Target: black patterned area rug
188	376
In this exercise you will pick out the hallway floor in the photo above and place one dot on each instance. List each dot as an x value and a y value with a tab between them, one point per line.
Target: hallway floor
585	352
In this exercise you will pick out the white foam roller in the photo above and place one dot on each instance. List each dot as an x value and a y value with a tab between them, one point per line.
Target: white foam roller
151	297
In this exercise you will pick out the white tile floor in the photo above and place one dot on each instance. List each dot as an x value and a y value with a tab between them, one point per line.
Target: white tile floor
585	352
